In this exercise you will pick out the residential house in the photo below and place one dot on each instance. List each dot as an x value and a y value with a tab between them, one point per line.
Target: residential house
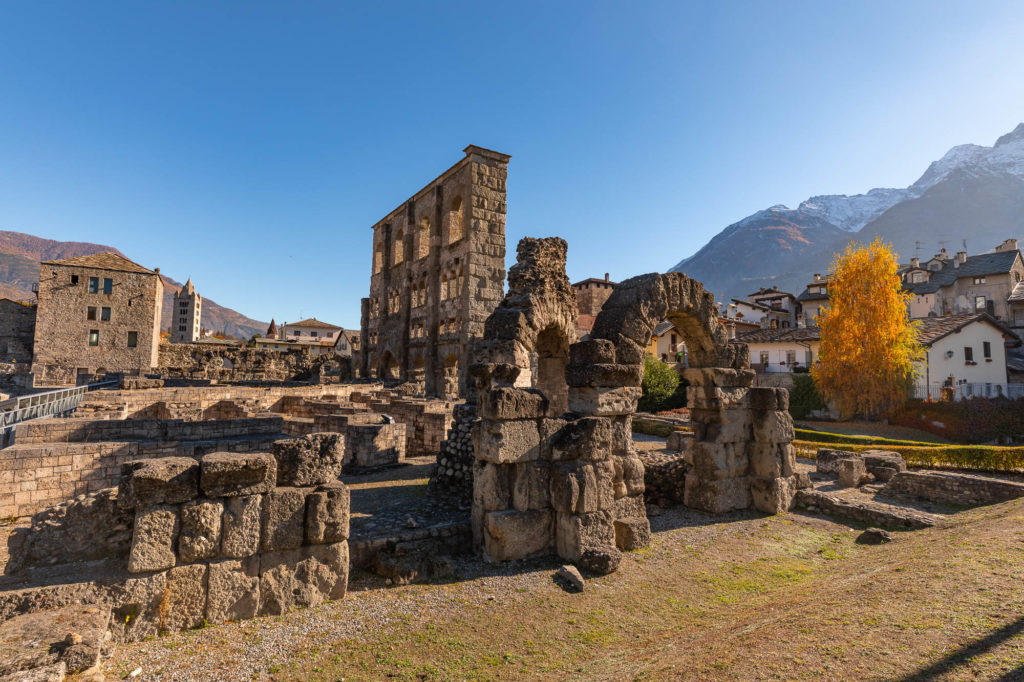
965	355
811	300
312	334
782	350
780	308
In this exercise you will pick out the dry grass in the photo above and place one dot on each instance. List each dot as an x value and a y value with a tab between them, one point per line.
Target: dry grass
738	597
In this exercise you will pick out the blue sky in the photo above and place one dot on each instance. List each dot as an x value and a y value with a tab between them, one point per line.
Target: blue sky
252	145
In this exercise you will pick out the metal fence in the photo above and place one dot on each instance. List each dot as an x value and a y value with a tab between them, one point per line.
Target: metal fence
54	403
968	391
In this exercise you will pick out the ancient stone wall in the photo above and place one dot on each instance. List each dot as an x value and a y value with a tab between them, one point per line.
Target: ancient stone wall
227	364
17	332
86	329
452	477
162	430
953	488
438	264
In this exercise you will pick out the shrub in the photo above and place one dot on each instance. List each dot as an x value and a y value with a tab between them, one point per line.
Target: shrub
976	457
661	387
840	438
804	397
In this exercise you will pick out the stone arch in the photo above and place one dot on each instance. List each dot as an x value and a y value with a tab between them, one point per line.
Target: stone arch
455	231
423	238
388	366
399	248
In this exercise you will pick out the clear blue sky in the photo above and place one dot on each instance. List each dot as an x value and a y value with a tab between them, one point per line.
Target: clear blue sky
251	145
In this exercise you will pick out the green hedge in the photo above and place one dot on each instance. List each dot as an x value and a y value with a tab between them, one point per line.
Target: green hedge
655	428
826	437
978	457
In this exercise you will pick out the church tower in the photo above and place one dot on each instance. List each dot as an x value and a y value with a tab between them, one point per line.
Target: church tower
185	315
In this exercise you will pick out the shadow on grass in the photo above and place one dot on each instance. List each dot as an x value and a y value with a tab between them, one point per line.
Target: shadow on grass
963	655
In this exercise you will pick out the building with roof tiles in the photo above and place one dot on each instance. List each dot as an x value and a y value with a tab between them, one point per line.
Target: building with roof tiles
315	335
774	351
591	294
965	356
186	312
95	314
811	299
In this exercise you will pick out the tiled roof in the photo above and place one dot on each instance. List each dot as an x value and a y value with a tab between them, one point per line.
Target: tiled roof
751	304
998	263
663	328
806	295
312	322
593	280
932	329
800	334
102	261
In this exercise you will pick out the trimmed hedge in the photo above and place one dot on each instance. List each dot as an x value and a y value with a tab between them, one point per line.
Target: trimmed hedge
977	457
828	437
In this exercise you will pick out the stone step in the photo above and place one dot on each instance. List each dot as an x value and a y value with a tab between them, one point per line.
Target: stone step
66	640
871	513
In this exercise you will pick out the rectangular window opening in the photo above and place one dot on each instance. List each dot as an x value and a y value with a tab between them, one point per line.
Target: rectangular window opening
133	339
94	337
108	286
90	313
94	285
105	315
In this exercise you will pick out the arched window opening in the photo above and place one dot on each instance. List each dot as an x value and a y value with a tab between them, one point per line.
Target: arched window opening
455	221
378	258
423	238
399	247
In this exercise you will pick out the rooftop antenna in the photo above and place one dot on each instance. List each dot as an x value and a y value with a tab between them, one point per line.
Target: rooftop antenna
964	242
917	249
942	244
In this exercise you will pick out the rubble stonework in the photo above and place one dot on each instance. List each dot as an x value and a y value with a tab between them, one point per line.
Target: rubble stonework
202	362
438	268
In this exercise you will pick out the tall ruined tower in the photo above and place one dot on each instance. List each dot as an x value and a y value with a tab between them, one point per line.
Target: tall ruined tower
438	271
185	314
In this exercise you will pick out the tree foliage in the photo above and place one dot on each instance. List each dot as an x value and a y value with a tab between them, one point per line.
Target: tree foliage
804	397
868	343
662	387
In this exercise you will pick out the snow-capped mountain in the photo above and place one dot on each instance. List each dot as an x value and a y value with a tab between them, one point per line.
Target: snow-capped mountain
973	194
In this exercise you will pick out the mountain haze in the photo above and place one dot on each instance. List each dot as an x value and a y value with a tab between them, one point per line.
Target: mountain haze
973	194
21	253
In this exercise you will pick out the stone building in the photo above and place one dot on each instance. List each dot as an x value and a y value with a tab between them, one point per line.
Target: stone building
17	330
96	314
591	294
185	314
438	271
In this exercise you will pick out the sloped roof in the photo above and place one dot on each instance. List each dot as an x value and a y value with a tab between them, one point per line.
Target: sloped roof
998	263
102	261
663	328
806	295
594	280
932	329
312	322
798	334
1017	294
752	304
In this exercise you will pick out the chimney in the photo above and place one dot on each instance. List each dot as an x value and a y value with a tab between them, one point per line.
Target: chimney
915	262
961	258
817	277
1008	245
607	278
731	329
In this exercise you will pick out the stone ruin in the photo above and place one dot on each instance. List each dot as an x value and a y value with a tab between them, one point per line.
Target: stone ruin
555	467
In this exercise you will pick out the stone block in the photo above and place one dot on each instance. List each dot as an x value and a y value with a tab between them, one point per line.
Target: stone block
716	496
883	459
851	471
531	489
550	430
493	485
503	403
604	402
576	533
632	532
720	377
600	560
714	461
764	460
302	577
589	438
604	375
632	476
763	399
827	460
241	526
773	427
311	460
630	506
578	487
137	603
284	514
200	536
234	590
327	514
166	480
507	442
622	435
515	534
774	495
591	351
230	474
153	539
184	605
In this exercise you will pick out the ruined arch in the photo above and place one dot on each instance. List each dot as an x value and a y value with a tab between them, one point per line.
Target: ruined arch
388	367
454	220
423	238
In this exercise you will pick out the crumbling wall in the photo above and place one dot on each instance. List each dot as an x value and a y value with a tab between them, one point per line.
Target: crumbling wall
199	361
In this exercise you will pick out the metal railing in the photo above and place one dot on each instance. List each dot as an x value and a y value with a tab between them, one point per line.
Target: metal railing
45	404
970	390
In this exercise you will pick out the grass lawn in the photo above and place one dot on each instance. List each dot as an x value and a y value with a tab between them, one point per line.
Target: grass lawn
875	429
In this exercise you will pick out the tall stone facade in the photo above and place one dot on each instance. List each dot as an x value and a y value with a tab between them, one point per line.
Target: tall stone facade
438	270
97	313
186	314
17	331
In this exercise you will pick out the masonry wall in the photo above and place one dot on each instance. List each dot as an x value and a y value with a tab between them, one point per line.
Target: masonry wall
438	270
17	332
63	328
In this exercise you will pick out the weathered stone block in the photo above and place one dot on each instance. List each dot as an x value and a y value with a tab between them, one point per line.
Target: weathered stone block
851	471
604	401
241	526
327	514
576	533
631	506
506	442
200	536
827	460
284	513
234	590
716	496
311	460
516	534
137	604
632	474
302	577
531	488
229	474
876	459
773	496
774	427
503	403
493	485
632	533
153	539
589	438
166	480
578	487
550	430
591	352
604	375
715	461
185	601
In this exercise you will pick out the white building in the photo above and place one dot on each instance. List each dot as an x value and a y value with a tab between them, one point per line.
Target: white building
782	350
186	311
966	355
319	337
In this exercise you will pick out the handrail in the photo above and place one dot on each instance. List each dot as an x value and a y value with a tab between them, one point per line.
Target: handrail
45	404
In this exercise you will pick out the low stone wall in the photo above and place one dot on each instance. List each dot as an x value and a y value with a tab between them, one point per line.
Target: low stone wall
82	430
953	488
664	478
452	477
872	515
198	361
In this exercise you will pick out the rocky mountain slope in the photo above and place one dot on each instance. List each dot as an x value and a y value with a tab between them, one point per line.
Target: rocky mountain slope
20	255
973	194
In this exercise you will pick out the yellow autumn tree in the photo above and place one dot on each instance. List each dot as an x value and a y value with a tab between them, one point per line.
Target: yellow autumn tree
868	342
